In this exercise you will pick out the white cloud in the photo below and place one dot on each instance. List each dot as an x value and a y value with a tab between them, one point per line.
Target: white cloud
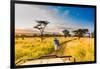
26	16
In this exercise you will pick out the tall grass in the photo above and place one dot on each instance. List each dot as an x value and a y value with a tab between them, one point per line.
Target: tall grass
82	50
32	48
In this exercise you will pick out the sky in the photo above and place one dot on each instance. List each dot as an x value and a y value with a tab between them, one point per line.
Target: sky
59	17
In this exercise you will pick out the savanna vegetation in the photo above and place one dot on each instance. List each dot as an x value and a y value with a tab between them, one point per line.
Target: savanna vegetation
81	50
78	46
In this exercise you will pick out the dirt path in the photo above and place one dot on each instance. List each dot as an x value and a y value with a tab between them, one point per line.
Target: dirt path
63	46
67	41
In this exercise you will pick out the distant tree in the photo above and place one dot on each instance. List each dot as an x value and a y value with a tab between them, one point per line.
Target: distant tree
66	33
41	26
80	32
22	37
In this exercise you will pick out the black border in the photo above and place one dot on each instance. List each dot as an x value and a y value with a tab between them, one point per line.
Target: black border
12	29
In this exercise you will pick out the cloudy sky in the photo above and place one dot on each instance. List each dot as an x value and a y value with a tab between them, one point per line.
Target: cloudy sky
60	17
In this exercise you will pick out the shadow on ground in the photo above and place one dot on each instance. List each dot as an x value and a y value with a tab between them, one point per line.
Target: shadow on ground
67	41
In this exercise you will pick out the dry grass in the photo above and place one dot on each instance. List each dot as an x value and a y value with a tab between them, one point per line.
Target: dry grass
82	50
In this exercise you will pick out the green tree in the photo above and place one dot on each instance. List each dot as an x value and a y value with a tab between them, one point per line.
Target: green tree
66	33
80	32
41	26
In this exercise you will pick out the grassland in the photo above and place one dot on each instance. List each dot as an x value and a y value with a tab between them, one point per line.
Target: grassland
82	49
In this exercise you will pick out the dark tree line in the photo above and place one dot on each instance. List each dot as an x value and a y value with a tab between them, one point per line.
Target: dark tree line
42	25
78	33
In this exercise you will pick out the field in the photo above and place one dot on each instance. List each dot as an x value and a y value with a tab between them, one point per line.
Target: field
82	49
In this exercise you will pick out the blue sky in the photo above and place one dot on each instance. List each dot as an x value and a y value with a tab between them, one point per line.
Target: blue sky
59	17
78	14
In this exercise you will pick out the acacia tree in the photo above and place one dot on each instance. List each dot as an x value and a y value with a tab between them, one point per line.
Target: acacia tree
66	33
80	32
41	26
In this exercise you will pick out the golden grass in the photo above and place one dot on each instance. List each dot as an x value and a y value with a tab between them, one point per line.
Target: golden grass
82	50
